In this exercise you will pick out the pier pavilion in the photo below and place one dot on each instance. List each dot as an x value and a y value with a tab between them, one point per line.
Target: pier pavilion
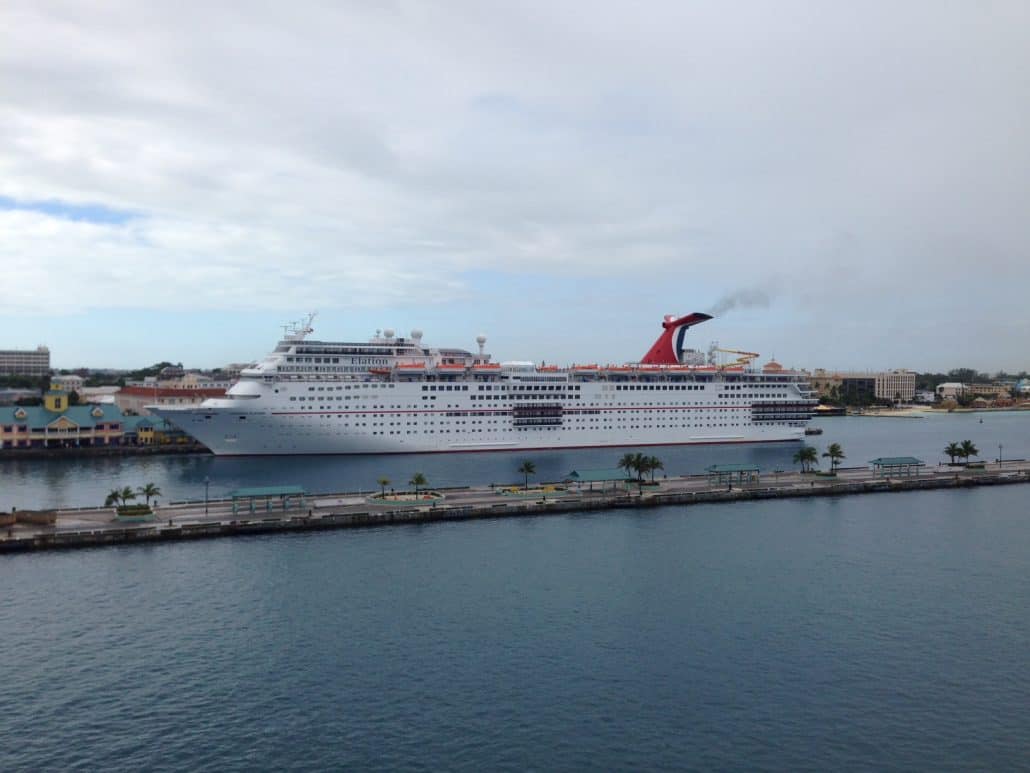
728	474
286	496
896	466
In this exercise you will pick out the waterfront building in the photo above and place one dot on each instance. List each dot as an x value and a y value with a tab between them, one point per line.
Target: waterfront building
183	389
32	362
896	385
858	389
56	424
951	390
888	385
151	430
994	389
135	399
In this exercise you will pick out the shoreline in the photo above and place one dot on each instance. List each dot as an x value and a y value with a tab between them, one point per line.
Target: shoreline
103	451
923	411
95	527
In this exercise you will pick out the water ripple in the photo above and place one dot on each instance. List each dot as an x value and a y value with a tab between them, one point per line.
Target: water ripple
868	633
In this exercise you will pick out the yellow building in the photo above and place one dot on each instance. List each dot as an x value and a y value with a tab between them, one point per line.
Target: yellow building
56	424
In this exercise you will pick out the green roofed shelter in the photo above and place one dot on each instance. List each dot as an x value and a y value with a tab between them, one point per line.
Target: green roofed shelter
287	495
728	474
896	466
614	475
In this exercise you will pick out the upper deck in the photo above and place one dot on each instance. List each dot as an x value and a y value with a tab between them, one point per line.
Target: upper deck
391	358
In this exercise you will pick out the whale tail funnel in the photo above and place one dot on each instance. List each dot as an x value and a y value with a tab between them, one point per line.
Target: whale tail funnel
668	349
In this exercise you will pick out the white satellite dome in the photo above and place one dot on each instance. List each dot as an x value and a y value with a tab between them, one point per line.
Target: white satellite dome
388	332
416	334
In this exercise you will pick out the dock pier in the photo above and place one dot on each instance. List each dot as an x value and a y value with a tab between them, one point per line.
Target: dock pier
95	527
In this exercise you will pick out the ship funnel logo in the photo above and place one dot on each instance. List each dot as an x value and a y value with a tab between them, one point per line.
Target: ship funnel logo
670	346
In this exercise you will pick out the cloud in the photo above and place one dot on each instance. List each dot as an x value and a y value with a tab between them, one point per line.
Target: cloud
387	154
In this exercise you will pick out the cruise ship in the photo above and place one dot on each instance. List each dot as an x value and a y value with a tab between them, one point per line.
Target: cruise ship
397	395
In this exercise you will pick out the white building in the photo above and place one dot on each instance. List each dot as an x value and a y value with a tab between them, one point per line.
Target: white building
70	383
896	385
950	390
15	362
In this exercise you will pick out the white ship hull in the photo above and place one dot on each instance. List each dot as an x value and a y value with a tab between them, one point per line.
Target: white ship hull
395	421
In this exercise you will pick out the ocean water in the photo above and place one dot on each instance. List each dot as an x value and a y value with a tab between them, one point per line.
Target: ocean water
84	482
881	632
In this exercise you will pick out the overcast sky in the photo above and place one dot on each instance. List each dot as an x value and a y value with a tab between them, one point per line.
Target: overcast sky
177	179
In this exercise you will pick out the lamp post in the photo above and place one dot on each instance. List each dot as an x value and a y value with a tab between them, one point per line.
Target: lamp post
999	454
207	485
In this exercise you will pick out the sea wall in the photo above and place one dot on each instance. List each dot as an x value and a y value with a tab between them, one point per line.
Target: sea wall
588	501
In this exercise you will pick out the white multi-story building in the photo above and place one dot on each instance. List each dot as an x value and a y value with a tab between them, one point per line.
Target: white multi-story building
896	385
20	362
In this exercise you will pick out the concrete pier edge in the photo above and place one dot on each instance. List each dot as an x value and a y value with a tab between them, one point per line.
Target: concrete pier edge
584	501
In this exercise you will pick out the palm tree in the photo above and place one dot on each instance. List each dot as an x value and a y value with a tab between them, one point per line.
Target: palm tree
627	463
418	479
527	468
383	483
641	465
968	449
806	456
836	453
654	464
148	491
119	496
952	450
